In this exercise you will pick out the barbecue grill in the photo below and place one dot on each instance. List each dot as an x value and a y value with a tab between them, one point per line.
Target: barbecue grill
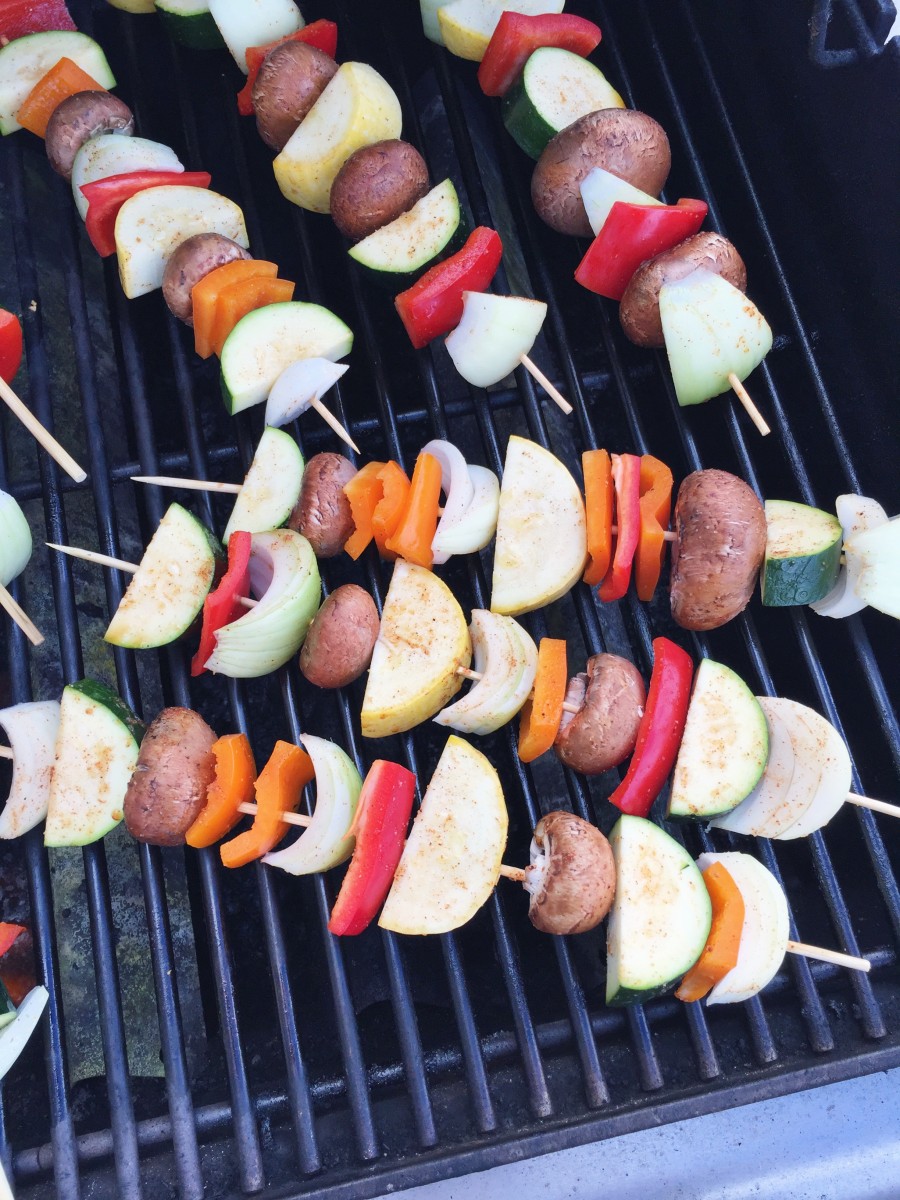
206	1036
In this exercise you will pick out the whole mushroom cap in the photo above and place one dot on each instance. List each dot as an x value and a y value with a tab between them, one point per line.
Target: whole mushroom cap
572	876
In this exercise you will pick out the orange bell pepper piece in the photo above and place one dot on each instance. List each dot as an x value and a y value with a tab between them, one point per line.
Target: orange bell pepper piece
231	787
720	953
598	507
238	299
542	714
205	295
389	509
656	506
278	790
63	80
363	491
416	528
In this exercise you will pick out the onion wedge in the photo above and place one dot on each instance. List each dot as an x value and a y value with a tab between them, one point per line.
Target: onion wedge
31	729
298	386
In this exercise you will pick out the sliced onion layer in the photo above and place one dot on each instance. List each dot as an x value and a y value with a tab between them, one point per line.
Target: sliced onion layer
458	489
506	658
298	386
856	514
32	730
15	539
474	528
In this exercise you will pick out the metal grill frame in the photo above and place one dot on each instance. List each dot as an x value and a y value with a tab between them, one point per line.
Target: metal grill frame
529	1048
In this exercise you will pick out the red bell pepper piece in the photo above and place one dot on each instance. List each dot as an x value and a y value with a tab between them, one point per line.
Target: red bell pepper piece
660	730
626	473
106	196
631	234
18	18
10	345
222	605
8	934
434	304
321	34
516	38
382	815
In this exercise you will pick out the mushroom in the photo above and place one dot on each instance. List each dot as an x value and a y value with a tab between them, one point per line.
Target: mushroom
572	876
79	118
610	697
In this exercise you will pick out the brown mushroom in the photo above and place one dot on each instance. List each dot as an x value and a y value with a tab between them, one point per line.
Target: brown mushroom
290	81
79	118
610	695
572	876
192	261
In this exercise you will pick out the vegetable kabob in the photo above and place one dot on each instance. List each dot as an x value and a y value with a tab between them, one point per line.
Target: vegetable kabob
600	168
337	130
168	229
185	786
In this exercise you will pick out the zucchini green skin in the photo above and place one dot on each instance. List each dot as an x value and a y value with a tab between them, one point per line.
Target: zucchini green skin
625	996
7	1008
800	580
101	694
525	125
810	568
197	31
399	281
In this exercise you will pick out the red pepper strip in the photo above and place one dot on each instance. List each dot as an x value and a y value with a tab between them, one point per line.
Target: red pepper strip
106	196
631	234
18	18
10	345
660	730
382	815
8	934
626	473
321	34
222	605
434	304
516	38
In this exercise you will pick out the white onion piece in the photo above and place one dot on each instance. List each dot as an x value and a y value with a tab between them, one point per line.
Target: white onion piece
14	1038
856	514
476	526
298	386
505	657
32	730
457	486
15	539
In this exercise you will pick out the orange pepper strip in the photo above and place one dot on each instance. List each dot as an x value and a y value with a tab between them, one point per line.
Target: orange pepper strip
238	299
232	786
542	714
205	294
61	81
656	506
278	790
363	491
389	508
720	953
598	505
416	528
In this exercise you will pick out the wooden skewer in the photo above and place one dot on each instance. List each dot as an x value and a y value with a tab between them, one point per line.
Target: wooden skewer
517	874
554	393
21	617
668	534
106	560
292	818
745	398
5	752
476	676
890	810
195	485
830	956
335	424
42	435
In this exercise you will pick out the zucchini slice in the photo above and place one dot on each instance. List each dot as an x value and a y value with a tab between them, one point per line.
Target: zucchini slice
803	553
245	23
26	60
96	753
724	748
556	88
400	251
112	154
661	915
153	223
271	486
190	23
269	339
168	589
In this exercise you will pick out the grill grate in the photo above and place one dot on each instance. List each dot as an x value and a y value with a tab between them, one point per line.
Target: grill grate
335	1069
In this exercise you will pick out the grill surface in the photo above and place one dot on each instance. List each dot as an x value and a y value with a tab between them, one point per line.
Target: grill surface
310	1067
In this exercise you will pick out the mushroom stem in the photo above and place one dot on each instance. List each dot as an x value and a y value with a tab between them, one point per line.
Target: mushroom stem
475	676
517	874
